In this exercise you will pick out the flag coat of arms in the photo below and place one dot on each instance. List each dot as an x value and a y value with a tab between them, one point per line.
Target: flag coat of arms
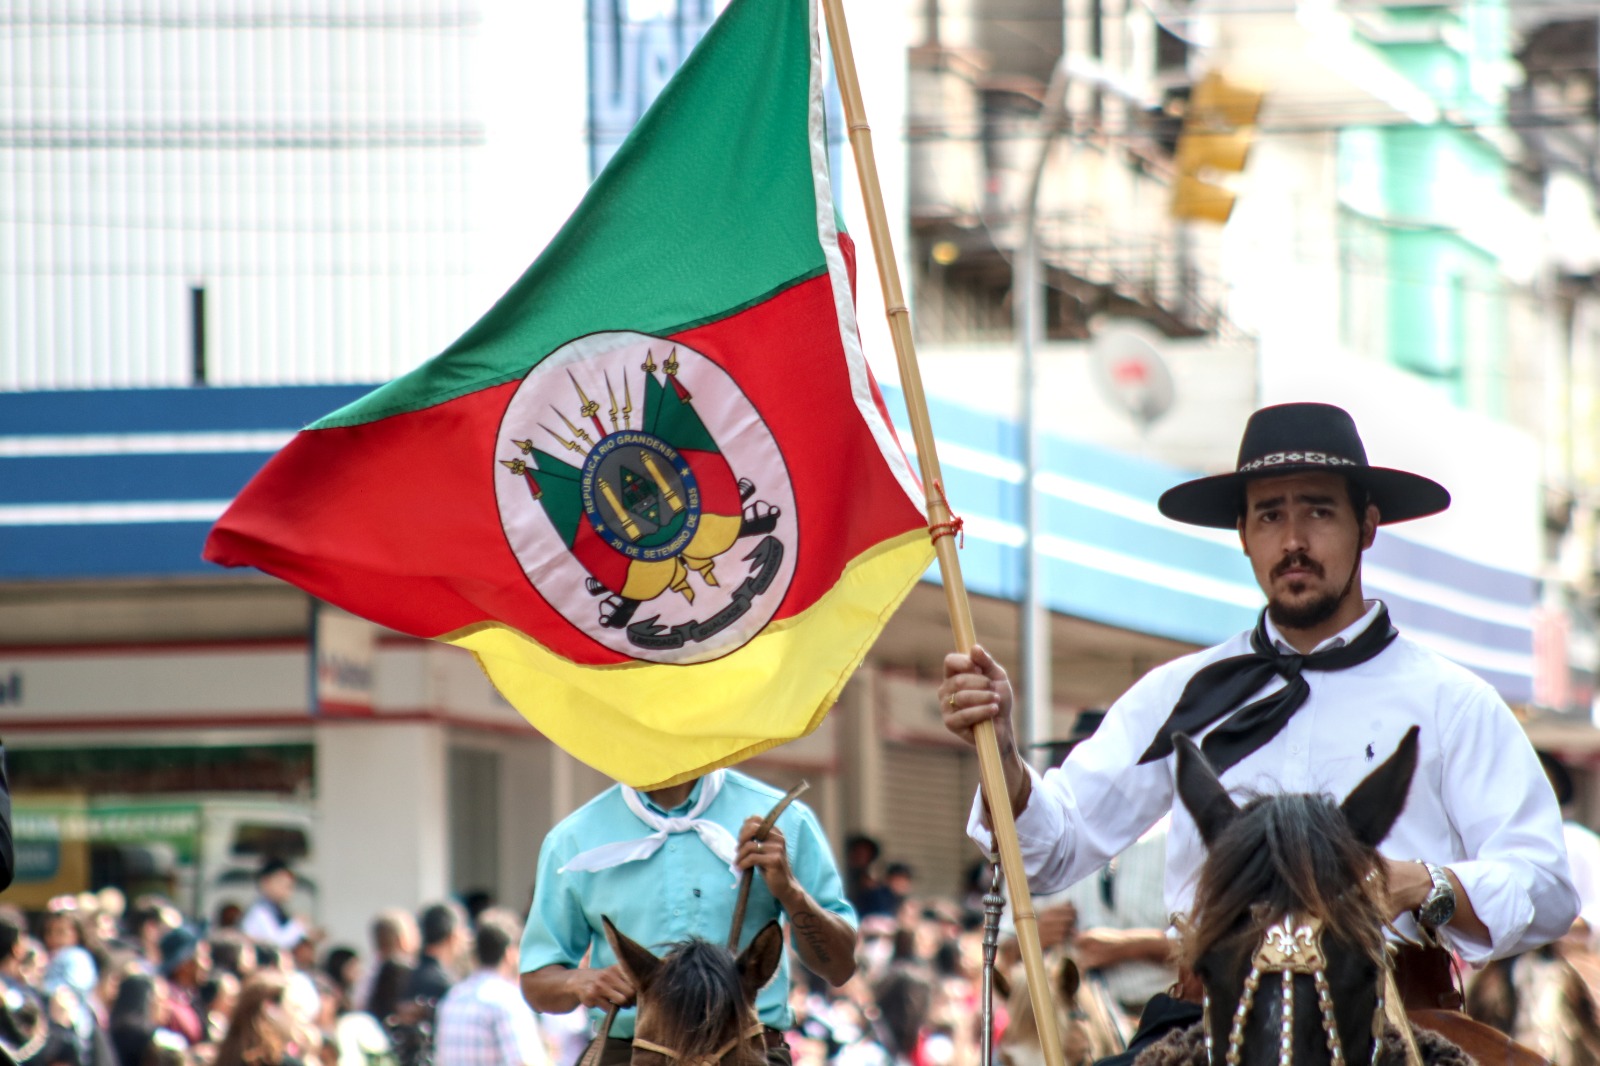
654	490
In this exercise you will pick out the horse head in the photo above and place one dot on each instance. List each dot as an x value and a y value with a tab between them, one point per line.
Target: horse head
696	1004
1085	1024
1286	934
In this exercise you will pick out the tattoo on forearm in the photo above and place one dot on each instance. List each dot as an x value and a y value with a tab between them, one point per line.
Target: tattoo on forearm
812	931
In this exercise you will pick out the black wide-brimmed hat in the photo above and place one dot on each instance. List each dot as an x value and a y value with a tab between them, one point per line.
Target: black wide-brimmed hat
1083	727
1301	438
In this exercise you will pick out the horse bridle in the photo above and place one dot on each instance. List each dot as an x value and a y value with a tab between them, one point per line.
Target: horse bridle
751	1031
1293	946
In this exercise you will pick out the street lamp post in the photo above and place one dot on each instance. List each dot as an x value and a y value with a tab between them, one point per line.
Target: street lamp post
1027	316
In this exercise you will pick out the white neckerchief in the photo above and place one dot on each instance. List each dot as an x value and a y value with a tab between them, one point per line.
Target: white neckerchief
718	839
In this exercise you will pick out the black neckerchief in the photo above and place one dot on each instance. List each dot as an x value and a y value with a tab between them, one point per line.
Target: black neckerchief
1219	687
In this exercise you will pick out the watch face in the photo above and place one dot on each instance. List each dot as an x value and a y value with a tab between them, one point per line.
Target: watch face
1439	911
1440	906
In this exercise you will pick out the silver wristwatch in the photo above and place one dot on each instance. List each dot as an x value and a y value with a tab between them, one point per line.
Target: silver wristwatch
1440	906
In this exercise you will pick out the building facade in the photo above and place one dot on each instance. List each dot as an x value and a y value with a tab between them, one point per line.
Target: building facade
222	226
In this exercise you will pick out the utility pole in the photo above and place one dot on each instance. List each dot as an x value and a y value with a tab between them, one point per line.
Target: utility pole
1028	316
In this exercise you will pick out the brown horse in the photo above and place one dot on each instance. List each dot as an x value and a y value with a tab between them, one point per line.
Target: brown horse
696	1004
1084	1019
1287	933
1541	1001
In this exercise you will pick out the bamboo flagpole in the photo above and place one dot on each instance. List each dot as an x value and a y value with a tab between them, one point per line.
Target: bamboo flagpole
991	771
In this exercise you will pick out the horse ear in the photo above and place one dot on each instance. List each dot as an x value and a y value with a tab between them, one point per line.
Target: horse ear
759	961
1067	980
1209	803
1374	804
636	961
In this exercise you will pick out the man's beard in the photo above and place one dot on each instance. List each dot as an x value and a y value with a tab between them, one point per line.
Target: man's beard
1313	612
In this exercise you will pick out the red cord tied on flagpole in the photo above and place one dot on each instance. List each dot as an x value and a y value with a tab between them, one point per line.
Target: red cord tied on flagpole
952	528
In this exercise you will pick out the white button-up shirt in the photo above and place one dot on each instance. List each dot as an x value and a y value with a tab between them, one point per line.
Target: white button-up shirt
1479	802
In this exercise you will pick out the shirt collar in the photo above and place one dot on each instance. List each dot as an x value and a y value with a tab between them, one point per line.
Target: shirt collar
682	808
1338	640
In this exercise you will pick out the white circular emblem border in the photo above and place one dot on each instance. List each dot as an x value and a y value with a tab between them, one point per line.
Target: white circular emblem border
536	409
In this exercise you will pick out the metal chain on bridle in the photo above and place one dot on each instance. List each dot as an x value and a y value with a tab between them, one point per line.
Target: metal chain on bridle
1293	946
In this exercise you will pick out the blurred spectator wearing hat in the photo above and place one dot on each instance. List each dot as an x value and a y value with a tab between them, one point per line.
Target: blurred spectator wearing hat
185	959
860	854
1114	923
268	920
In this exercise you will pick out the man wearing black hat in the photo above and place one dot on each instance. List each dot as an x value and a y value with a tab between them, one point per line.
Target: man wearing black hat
1309	700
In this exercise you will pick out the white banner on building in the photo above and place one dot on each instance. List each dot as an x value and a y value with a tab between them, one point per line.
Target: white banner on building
345	648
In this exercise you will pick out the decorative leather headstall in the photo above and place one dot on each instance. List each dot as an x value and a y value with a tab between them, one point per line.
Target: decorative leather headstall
753	1030
1292	946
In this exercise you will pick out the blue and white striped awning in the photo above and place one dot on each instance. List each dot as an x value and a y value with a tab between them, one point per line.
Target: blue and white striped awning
125	483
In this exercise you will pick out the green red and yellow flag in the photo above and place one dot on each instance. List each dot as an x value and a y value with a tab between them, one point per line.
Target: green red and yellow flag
655	490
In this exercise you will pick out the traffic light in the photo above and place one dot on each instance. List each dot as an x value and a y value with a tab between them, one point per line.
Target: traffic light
1218	126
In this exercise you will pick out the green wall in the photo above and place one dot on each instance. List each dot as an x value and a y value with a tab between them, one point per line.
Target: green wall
1420	189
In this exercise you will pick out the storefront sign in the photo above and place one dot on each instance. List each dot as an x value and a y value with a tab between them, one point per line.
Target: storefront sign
345	648
194	683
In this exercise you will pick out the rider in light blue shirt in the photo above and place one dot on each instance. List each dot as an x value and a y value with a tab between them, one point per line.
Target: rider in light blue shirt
664	866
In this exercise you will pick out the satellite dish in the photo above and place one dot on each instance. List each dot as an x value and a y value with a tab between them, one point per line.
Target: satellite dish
1132	375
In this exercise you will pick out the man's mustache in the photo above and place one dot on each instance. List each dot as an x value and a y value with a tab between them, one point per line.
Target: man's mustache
1297	561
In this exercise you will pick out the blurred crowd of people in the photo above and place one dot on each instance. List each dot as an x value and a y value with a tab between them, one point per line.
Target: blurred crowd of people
99	980
914	1000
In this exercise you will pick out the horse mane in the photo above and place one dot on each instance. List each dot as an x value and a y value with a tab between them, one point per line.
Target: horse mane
694	995
1286	853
